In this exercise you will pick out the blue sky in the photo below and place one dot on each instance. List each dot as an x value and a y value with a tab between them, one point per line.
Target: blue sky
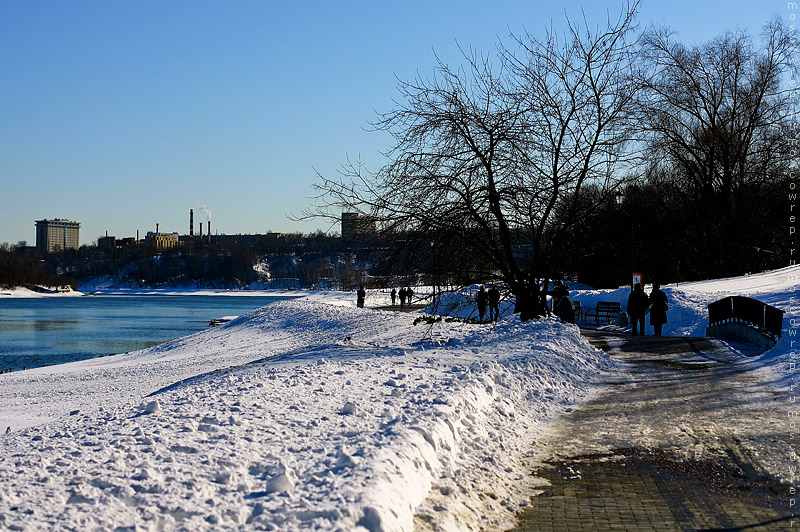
121	115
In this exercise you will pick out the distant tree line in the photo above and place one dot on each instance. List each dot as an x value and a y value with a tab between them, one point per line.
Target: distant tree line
17	270
314	260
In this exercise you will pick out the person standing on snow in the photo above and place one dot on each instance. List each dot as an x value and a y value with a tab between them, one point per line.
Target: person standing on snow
541	293
394	295
494	303
637	305
564	309
559	290
402	297
360	295
481	299
658	308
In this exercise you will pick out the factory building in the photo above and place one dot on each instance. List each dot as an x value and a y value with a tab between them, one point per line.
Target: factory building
57	235
161	240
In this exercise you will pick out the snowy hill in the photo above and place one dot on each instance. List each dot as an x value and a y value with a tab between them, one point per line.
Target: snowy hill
302	415
310	415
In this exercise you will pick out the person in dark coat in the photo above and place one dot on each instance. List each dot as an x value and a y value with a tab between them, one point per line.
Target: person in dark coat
360	295
494	303
544	310
559	290
565	310
637	305
409	294
394	295
402	297
482	298
658	308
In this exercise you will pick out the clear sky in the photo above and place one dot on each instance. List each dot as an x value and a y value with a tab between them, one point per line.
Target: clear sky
124	114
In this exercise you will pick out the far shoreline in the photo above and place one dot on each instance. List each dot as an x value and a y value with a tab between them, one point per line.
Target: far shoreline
22	293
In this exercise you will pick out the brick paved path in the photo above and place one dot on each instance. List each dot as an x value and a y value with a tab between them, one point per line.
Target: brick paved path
686	438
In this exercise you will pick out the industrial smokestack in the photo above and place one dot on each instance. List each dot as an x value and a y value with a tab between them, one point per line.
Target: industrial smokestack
209	230
191	224
201	230
156	228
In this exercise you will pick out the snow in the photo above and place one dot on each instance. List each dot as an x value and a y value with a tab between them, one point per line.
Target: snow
20	292
311	414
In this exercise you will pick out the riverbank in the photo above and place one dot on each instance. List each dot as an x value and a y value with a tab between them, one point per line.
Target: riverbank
20	292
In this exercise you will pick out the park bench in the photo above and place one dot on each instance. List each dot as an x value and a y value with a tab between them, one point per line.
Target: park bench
578	310
605	309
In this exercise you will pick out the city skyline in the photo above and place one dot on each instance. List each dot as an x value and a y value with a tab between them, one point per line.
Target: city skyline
121	116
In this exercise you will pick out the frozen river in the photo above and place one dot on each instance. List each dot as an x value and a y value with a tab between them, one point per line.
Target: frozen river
51	330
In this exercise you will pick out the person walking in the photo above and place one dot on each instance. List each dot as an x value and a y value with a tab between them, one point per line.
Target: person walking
360	295
494	303
637	305
394	295
658	308
482	299
409	295
402	297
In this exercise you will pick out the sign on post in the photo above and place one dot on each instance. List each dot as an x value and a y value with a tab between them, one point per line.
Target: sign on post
637	279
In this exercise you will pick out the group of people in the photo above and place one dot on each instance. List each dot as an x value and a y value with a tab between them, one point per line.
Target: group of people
490	297
405	296
639	302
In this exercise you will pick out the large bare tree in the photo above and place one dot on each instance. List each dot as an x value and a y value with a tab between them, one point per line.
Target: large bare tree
486	153
717	112
717	117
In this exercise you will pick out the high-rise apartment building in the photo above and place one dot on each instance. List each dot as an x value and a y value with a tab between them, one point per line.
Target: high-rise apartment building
57	235
356	225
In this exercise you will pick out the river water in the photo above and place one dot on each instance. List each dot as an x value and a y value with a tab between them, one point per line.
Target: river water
52	330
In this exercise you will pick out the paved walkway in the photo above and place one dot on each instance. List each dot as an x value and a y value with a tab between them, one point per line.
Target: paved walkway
687	437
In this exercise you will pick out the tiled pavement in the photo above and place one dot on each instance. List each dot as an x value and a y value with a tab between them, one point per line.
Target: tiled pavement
635	495
681	442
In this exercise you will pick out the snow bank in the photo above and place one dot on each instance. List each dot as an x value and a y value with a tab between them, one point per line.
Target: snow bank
301	415
21	292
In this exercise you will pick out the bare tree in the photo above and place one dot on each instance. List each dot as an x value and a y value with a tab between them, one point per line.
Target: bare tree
485	153
579	93
717	116
716	112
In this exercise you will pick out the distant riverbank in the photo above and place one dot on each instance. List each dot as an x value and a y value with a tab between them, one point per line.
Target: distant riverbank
21	292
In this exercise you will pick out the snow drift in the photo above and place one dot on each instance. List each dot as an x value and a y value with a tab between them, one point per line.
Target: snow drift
300	415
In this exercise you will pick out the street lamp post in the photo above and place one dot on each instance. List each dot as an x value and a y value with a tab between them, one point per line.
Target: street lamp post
433	249
619	197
